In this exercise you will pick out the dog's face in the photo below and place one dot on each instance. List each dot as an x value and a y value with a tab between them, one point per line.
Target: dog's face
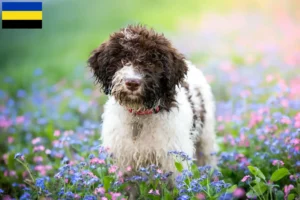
139	67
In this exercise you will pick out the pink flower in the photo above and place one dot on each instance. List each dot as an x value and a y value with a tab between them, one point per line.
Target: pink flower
104	198
295	141
36	140
39	148
200	196
245	178
5	158
114	196
56	133
97	161
10	140
297	124
287	190
112	169
38	159
129	168
20	119
48	151
5	123
42	169
7	197
239	192
269	78
159	171
284	103
99	190
156	192
285	120
277	162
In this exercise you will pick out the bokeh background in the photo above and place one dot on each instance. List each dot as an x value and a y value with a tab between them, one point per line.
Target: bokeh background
72	28
249	51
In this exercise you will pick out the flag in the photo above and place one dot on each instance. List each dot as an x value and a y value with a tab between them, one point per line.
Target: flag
22	15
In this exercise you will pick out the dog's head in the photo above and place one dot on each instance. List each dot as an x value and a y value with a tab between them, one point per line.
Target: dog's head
139	67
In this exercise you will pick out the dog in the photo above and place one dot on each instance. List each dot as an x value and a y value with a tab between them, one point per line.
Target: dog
158	101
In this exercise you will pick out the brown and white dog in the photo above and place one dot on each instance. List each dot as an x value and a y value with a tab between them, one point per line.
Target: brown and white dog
158	102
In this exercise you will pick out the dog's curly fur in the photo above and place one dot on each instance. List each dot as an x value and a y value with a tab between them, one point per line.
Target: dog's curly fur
149	52
185	121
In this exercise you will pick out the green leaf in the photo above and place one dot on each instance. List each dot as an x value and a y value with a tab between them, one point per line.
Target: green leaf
256	172
251	194
106	182
143	188
279	194
101	171
232	189
178	166
11	161
167	195
257	180
279	174
195	171
258	189
291	197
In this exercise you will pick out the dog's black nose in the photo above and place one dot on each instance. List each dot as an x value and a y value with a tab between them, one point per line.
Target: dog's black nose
132	83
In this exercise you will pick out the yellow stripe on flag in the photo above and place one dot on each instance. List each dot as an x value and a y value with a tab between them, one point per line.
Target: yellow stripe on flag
22	15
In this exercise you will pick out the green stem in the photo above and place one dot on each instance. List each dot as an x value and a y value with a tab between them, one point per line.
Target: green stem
207	184
271	193
254	191
27	169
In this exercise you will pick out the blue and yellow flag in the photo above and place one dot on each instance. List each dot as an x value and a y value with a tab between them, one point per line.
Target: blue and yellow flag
17	15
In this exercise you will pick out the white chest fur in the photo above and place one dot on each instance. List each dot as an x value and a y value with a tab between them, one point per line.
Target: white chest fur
142	140
156	134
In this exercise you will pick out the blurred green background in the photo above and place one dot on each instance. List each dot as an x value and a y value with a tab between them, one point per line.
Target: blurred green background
73	28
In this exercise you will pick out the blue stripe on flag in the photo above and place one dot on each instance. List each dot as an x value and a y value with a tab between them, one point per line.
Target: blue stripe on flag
21	6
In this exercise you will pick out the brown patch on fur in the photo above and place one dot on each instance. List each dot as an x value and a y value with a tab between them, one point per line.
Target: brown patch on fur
200	158
203	110
187	88
151	53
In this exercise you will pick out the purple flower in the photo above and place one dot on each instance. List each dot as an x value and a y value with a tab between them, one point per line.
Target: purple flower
180	154
18	155
69	195
226	196
183	197
40	182
25	196
89	197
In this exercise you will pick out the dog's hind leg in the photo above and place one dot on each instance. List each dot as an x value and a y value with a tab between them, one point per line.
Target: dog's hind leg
206	148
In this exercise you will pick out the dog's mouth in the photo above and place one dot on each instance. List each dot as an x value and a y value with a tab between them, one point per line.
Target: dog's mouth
129	99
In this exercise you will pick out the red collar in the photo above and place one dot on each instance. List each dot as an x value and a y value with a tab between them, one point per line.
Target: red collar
145	112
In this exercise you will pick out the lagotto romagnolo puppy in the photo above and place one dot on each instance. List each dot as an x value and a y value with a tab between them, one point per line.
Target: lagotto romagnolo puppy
158	102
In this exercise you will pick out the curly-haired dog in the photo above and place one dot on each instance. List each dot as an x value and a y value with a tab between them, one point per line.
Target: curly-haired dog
158	102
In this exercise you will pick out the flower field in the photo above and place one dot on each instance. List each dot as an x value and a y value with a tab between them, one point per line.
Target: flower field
50	147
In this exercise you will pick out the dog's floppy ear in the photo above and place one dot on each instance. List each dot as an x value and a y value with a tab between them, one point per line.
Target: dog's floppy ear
175	69
178	69
99	62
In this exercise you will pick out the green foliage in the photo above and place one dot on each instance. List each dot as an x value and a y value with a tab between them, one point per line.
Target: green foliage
279	174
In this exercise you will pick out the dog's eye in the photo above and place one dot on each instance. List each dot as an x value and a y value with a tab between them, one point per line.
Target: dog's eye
125	62
154	56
